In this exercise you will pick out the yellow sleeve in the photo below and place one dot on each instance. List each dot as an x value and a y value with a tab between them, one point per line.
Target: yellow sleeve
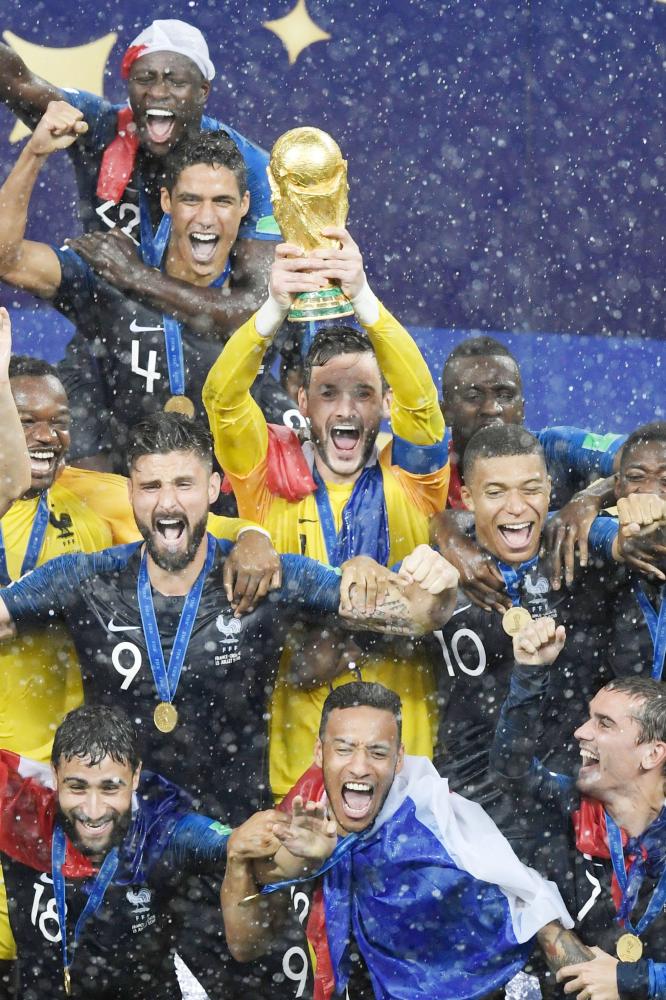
106	494
228	527
415	412
238	425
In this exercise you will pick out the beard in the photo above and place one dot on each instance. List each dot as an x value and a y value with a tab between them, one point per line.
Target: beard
121	824
174	561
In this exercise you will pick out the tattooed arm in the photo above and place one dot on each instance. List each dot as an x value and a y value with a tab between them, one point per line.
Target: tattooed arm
561	947
419	598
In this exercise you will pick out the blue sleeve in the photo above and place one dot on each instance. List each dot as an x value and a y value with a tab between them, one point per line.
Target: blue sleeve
582	454
258	224
198	844
419	459
657	979
48	591
602	534
519	727
309	583
75	297
639	980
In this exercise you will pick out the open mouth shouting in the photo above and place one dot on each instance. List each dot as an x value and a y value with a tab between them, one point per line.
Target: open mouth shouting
345	439
159	125
204	246
357	798
517	536
170	530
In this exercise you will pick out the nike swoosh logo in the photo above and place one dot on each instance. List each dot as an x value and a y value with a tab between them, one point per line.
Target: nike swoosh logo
135	328
121	628
307	520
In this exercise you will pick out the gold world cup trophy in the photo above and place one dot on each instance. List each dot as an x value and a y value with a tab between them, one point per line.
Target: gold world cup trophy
308	180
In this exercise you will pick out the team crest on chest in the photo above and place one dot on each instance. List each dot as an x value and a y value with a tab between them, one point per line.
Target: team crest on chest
140	900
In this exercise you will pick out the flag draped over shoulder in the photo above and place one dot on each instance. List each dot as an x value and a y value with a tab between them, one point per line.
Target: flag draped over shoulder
437	902
28	811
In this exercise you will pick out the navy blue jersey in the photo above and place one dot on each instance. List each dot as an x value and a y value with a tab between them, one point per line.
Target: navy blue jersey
475	658
131	379
127	948
218	750
86	155
547	803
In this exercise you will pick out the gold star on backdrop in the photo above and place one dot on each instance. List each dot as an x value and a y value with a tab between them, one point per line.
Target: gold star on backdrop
296	30
80	67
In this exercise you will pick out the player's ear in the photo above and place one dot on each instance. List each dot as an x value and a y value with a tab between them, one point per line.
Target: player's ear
136	776
214	484
401	758
654	756
245	203
165	200
318	753
303	401
466	498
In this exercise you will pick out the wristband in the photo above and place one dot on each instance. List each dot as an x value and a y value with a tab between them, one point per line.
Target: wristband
269	317
366	306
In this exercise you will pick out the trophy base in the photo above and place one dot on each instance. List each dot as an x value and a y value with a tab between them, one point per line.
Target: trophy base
328	303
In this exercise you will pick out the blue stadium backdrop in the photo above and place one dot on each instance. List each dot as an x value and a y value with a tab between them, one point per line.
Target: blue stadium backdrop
505	161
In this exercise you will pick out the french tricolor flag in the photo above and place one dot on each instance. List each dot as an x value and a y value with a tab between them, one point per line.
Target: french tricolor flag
433	895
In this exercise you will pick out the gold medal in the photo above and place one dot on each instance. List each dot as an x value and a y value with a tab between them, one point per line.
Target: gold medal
165	717
180	404
68	981
629	948
515	619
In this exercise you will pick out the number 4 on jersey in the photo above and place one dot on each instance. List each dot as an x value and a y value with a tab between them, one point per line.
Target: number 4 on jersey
150	373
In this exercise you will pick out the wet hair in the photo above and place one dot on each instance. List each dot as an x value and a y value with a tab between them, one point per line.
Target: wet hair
24	365
331	343
364	694
215	149
645	434
500	441
161	433
651	715
477	347
96	732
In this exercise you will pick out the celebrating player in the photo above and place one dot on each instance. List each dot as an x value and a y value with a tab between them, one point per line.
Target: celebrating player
156	632
507	488
481	386
336	497
611	866
422	896
119	165
148	360
92	853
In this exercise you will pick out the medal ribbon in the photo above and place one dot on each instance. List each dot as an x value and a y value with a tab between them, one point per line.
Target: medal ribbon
35	542
100	885
152	250
658	899
341	848
513	577
166	678
173	342
657	627
153	245
364	520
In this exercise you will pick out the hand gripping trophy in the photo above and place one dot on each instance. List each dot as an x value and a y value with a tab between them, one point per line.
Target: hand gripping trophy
308	180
